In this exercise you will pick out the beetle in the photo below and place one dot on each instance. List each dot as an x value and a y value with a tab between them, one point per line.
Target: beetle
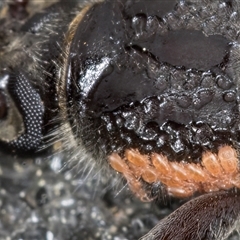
148	90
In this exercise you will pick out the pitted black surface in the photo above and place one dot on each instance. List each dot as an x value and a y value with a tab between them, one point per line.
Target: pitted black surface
29	207
151	89
140	85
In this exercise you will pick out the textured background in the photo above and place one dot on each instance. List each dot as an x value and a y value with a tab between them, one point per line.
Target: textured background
41	201
38	200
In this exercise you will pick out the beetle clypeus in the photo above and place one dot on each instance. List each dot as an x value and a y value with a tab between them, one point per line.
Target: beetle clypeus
146	88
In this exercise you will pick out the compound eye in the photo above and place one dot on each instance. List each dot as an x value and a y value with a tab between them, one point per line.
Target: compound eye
22	113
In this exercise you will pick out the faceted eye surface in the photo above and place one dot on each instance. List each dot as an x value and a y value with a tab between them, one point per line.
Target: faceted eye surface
22	112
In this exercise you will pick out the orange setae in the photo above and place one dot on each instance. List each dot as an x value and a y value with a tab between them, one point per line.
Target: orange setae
181	179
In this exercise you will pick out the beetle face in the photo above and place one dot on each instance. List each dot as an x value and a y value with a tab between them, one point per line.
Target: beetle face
155	99
148	90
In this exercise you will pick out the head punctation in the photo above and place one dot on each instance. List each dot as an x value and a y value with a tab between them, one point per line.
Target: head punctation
150	84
